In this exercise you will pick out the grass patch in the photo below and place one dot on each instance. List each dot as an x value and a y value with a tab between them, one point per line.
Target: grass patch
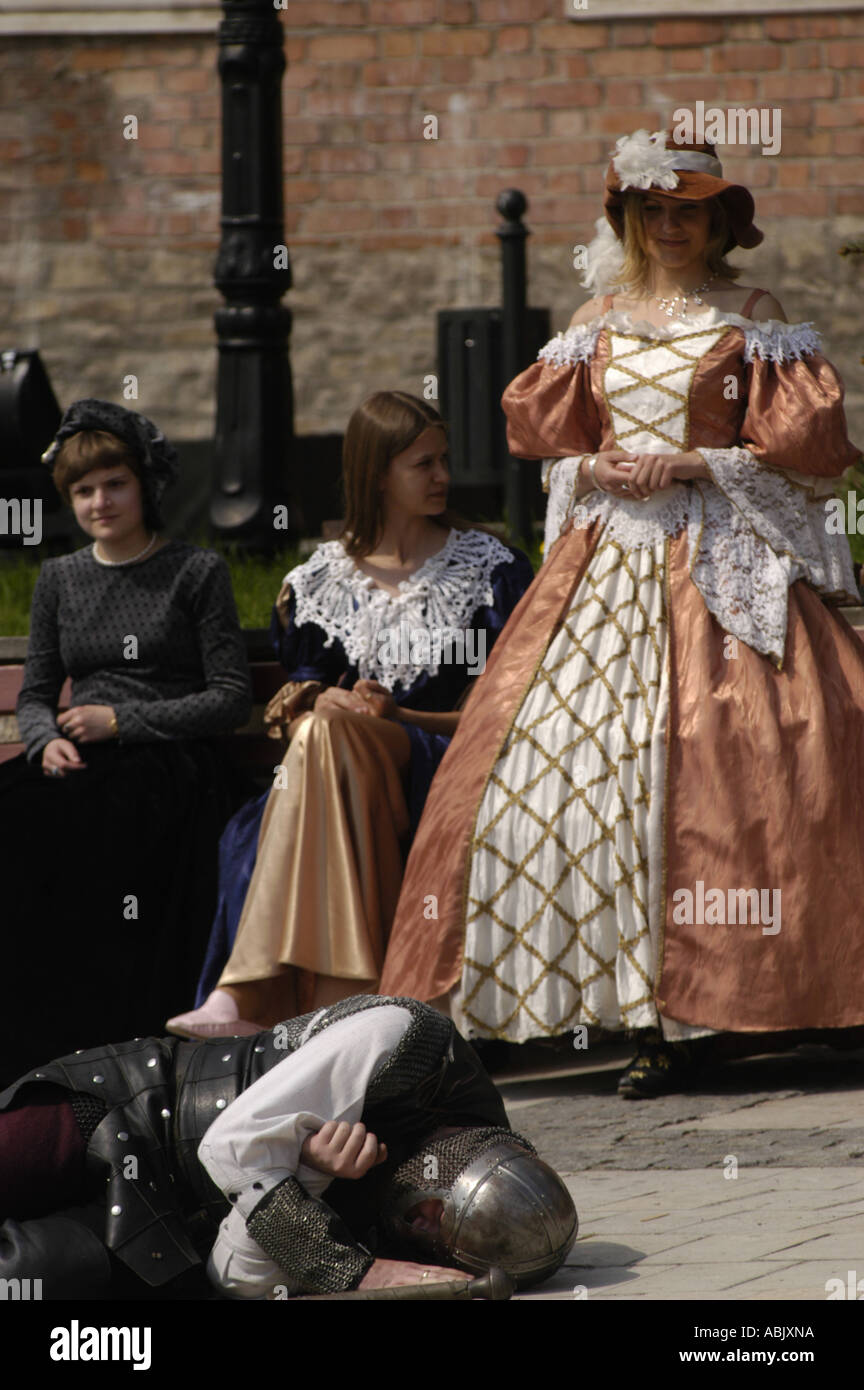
856	542
256	580
17	581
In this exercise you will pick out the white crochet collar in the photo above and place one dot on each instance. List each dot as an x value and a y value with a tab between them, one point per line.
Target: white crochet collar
770	339
396	638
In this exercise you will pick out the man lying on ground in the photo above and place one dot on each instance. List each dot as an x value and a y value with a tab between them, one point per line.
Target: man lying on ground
124	1169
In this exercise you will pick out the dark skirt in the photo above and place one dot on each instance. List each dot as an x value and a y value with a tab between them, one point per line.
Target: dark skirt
238	850
108	891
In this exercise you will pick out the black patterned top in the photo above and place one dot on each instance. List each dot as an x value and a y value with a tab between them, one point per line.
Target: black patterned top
159	640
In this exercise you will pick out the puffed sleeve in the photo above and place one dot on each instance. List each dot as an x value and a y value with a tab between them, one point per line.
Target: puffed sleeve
550	407
795	418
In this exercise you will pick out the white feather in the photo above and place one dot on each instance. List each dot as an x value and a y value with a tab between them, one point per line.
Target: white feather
604	260
642	161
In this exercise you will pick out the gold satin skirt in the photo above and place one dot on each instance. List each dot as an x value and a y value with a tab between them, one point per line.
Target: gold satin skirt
323	893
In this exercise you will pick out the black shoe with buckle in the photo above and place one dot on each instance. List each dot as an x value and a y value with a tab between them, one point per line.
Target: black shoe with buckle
659	1069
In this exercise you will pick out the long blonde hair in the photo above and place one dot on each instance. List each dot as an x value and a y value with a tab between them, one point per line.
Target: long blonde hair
636	270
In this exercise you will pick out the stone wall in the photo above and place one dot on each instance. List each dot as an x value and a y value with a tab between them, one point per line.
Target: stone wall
107	243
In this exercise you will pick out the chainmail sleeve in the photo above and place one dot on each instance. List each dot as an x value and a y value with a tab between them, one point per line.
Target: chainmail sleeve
308	1241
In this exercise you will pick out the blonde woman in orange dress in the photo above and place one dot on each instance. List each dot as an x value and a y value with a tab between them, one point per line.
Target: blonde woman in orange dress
649	817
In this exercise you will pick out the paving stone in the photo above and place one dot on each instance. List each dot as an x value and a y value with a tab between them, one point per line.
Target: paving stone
578	1121
841	1245
694	1281
803	1279
595	1253
842	1111
837	1210
659	1220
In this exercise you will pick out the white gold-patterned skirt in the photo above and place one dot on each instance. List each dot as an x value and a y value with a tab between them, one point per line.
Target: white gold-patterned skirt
566	859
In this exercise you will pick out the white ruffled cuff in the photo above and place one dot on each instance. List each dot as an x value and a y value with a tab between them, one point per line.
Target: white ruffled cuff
759	532
560	478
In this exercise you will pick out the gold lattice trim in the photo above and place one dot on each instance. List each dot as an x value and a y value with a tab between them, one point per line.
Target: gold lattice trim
627	702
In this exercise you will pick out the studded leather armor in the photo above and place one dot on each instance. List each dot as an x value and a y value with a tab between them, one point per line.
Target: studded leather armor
162	1094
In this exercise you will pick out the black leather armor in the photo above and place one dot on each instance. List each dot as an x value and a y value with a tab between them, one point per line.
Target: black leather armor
161	1095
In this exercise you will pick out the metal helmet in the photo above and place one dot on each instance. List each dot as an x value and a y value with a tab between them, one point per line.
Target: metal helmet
502	1205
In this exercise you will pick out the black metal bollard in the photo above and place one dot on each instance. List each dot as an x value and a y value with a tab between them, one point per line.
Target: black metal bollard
512	234
254	413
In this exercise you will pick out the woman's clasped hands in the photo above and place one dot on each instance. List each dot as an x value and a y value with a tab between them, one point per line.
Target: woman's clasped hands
84	724
639	475
367	697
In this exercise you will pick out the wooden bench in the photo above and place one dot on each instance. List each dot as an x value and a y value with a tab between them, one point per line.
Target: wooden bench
249	747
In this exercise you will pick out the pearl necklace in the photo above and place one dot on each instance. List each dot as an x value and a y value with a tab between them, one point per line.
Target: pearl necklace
682	299
132	558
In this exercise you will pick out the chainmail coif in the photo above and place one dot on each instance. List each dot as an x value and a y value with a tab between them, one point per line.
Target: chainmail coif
451	1155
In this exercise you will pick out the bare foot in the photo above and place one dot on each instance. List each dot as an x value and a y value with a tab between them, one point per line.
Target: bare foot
218	1008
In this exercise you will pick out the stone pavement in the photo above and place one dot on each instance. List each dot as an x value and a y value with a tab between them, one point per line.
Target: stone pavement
749	1188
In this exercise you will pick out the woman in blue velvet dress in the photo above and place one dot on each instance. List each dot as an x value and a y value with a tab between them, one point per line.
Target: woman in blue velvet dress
381	632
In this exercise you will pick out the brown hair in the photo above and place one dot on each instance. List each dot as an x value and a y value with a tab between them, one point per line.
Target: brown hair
636	268
89	449
382	427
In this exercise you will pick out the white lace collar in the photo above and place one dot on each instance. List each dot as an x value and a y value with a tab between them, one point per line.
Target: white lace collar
770	339
396	638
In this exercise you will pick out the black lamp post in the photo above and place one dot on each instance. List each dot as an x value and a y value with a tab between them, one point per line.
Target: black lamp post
254	413
513	234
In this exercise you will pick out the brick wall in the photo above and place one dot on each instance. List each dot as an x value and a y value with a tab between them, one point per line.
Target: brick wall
107	244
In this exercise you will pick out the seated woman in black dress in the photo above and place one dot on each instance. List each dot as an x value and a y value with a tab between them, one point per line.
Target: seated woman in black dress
111	818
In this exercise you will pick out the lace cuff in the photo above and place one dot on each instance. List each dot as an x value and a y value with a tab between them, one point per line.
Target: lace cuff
752	534
632	524
560	479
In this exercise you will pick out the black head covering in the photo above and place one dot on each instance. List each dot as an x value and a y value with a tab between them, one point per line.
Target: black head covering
157	458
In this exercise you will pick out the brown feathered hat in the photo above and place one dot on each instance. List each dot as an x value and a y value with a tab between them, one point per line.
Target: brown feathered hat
643	162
